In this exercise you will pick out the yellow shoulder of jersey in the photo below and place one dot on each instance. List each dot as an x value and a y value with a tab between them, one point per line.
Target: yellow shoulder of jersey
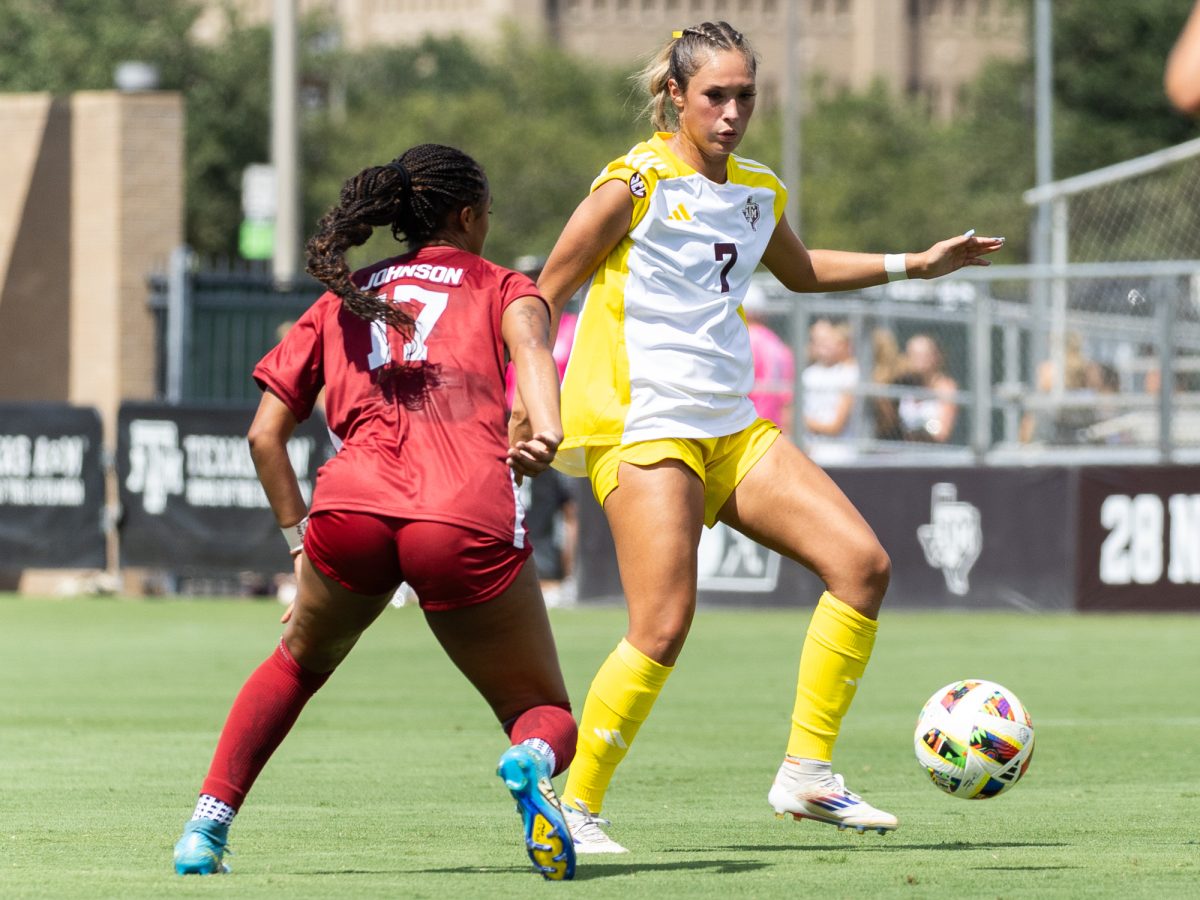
640	169
755	174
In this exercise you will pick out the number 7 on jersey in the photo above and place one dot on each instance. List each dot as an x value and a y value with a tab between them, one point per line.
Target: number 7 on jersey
721	251
433	304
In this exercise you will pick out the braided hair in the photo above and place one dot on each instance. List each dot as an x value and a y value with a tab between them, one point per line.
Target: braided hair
681	58
416	194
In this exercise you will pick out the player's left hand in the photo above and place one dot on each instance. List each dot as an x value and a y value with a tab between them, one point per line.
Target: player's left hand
953	254
533	456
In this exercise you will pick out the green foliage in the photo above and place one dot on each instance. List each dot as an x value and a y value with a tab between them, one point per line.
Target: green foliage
228	93
73	45
70	45
878	174
541	123
1108	72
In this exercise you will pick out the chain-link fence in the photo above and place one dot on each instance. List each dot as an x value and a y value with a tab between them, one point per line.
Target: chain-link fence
1138	210
1023	363
949	371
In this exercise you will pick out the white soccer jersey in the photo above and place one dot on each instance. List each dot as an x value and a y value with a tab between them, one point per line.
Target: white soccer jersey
661	348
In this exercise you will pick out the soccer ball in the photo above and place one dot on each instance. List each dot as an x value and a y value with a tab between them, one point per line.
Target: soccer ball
974	738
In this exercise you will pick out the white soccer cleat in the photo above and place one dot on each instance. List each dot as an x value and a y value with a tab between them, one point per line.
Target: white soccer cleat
827	800
586	830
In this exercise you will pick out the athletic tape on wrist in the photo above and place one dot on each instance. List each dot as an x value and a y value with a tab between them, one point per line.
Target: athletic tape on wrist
893	264
293	536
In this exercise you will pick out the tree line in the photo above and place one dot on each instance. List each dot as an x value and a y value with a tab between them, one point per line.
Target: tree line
878	172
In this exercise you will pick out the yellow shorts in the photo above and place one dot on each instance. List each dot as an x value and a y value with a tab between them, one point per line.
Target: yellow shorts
720	463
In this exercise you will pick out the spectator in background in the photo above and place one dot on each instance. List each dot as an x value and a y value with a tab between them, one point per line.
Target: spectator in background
928	415
774	364
829	380
1182	78
1105	382
1064	422
888	370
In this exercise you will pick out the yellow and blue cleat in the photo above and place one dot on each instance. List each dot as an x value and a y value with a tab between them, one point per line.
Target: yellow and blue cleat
526	774
201	850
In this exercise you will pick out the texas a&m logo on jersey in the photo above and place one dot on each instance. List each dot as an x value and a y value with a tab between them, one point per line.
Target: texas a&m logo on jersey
750	213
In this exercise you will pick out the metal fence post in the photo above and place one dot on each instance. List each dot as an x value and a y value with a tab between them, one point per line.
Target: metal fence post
1164	312
179	323
799	324
981	377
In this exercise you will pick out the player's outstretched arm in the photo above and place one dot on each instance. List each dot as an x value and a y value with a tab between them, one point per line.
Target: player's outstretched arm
526	332
809	271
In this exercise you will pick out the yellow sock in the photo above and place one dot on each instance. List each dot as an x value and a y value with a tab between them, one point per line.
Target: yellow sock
835	655
618	702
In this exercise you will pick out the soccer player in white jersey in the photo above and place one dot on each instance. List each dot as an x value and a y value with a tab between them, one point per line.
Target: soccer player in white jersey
656	414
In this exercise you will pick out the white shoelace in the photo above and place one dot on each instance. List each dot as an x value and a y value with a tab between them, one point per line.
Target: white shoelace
585	824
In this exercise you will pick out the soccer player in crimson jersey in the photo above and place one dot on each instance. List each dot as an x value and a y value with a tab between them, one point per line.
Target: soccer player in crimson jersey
411	354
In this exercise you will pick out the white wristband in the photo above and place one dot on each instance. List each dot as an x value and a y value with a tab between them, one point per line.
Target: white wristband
293	536
893	264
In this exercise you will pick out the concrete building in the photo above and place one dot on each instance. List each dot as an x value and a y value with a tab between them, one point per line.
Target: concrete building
92	202
923	48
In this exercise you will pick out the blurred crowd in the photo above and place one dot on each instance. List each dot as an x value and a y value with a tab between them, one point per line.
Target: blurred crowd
896	392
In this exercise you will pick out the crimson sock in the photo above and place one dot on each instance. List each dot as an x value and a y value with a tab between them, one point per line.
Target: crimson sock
551	724
263	713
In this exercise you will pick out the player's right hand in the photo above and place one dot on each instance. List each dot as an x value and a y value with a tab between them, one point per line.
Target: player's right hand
533	456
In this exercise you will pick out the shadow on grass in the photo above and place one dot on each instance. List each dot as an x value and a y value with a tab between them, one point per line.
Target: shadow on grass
711	866
591	870
885	845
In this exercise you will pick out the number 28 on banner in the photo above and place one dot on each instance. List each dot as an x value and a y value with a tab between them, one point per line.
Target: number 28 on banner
1135	552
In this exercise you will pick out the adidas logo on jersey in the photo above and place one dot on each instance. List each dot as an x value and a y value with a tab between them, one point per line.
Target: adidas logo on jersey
612	737
680	214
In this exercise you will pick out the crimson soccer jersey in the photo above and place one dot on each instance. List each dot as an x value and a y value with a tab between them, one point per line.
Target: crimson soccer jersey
422	424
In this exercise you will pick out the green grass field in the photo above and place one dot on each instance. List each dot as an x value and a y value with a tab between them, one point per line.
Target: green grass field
109	711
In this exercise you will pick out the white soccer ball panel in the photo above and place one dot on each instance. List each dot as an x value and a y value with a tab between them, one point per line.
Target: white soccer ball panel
974	738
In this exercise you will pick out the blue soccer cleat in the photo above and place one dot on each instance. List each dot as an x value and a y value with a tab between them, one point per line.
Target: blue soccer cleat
202	849
526	774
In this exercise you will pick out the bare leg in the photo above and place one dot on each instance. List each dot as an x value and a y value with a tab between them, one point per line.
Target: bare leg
655	516
789	504
505	648
328	620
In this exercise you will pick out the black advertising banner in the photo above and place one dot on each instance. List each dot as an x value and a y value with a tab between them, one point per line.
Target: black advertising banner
965	538
971	538
51	487
1139	538
190	498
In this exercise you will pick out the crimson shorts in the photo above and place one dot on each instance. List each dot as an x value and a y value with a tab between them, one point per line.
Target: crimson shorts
448	566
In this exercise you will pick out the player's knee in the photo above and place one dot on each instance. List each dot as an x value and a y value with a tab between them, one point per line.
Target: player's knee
662	640
877	571
862	578
317	655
